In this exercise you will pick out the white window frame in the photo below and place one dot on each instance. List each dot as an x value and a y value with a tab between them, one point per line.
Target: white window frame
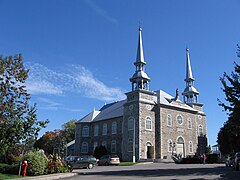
114	127
148	123
84	147
190	147
113	146
189	123
130	123
85	131
104	129
179	115
169	120
96	130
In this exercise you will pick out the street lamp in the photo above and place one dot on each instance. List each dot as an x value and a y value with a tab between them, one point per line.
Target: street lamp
172	145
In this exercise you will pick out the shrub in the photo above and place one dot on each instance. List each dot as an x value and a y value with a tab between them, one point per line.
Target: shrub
9	169
37	163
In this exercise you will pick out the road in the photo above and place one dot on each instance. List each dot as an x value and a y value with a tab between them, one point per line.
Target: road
158	171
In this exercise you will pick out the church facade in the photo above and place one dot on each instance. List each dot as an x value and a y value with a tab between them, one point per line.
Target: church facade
147	124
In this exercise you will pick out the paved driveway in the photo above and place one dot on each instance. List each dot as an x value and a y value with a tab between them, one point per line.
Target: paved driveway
158	171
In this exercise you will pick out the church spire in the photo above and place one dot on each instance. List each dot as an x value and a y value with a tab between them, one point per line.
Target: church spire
190	93
189	76
140	55
140	79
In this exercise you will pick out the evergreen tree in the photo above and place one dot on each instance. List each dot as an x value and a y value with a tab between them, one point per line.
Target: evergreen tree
229	134
18	119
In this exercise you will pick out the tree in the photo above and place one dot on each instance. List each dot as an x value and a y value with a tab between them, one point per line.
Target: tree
69	130
46	142
229	134
99	151
18	119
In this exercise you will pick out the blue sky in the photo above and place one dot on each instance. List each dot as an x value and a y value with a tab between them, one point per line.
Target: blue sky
81	52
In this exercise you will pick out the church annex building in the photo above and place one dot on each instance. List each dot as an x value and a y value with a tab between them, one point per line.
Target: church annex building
147	124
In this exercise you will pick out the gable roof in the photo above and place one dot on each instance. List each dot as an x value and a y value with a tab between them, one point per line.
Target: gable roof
111	111
166	99
90	116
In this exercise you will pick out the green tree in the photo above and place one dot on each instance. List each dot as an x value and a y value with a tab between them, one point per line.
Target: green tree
68	130
229	134
18	119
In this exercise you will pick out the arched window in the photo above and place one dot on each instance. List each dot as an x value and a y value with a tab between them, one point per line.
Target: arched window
85	131
114	127
189	123
84	148
179	119
104	130
130	123
180	140
96	129
113	146
190	147
148	121
200	130
169	120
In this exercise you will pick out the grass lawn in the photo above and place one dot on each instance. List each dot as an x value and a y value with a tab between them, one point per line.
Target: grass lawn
126	163
8	176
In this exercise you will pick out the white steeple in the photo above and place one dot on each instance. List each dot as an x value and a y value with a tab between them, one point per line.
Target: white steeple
140	79
190	93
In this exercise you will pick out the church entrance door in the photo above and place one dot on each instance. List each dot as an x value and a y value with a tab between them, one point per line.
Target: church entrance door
150	151
180	147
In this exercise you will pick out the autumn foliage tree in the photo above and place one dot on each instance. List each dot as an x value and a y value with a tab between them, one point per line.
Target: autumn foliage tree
229	134
47	141
18	119
57	139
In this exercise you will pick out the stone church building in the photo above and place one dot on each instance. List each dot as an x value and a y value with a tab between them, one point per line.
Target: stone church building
147	124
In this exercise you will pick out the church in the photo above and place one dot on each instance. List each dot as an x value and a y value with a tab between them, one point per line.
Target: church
147	124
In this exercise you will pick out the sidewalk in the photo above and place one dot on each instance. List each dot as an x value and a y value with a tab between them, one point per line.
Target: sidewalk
49	176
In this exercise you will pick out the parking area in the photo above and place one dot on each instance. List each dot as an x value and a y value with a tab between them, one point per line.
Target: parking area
159	171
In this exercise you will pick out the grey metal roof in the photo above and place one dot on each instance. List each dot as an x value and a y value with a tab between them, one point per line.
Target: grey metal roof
166	99
90	117
190	90
140	74
114	110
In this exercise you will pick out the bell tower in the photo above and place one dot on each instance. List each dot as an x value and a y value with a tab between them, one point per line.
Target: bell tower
190	93
139	117
140	79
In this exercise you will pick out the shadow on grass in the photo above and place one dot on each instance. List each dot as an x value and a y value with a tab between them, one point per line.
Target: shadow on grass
8	176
